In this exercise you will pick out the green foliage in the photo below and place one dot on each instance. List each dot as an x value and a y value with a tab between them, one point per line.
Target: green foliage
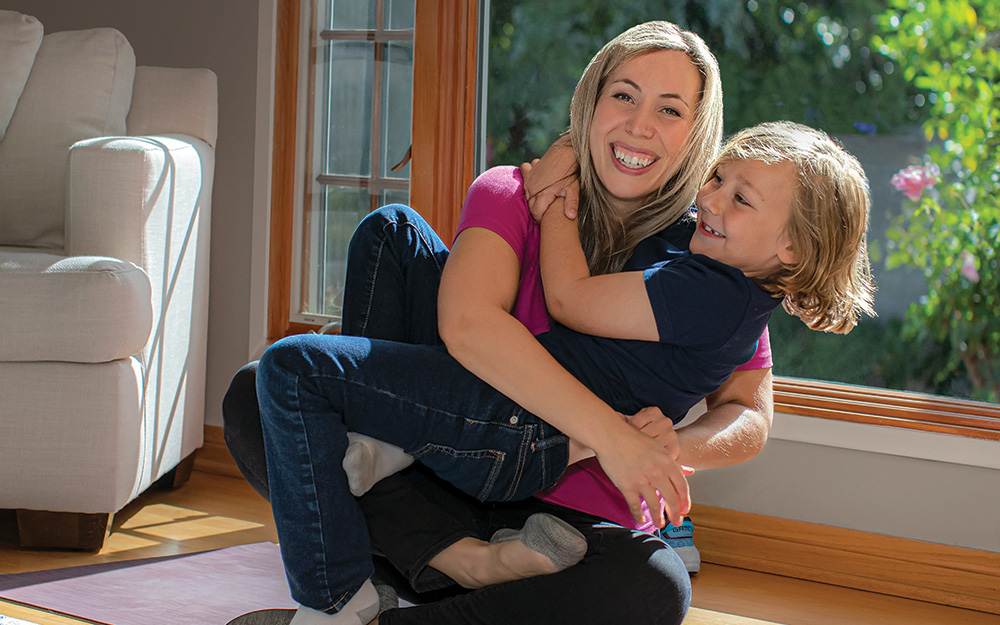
809	62
949	50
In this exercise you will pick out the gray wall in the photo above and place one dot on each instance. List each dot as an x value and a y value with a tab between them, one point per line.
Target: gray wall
221	35
946	503
883	156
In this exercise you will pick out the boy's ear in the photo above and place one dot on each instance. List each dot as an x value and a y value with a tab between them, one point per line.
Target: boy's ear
786	254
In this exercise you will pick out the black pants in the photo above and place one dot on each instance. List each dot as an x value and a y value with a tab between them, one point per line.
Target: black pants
625	577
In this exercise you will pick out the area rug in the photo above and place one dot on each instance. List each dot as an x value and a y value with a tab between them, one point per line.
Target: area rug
208	588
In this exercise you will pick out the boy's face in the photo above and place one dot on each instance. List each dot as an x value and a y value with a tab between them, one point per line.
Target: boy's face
743	211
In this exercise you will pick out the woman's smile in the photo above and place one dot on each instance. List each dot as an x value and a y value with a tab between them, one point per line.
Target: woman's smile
642	119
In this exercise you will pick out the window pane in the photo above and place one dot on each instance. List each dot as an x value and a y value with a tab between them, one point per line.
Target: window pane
395	196
397	90
338	215
399	14
355	14
526	111
350	71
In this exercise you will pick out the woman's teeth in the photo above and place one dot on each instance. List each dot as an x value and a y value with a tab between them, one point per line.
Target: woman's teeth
632	162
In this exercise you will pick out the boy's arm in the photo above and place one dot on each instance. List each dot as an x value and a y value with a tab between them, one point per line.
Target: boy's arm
611	305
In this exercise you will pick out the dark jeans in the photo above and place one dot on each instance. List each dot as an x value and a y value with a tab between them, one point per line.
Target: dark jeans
394	267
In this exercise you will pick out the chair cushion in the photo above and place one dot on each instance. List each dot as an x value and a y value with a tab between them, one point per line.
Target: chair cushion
72	309
20	36
80	87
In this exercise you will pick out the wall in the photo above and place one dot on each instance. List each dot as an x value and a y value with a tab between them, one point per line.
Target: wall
924	486
221	35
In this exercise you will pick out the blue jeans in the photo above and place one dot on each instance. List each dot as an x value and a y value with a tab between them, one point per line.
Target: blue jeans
313	389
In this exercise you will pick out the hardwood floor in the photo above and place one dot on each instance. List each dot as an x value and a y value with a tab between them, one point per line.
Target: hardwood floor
213	511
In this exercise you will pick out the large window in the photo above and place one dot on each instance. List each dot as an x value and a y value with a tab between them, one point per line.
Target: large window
810	62
357	142
764	51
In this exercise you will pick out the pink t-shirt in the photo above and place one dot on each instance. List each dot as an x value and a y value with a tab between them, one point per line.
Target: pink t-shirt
496	202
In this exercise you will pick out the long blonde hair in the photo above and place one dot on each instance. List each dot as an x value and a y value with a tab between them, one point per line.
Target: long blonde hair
607	240
830	284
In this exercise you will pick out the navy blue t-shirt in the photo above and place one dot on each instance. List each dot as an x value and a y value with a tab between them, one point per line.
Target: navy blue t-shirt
708	316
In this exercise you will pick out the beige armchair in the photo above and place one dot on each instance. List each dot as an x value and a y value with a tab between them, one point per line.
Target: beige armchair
105	203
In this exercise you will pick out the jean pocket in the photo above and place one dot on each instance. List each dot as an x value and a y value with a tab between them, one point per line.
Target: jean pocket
474	472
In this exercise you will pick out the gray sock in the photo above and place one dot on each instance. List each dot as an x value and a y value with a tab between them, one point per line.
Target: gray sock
550	536
369	460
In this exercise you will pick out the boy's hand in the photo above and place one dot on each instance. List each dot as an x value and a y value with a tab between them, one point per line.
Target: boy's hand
553	176
652	422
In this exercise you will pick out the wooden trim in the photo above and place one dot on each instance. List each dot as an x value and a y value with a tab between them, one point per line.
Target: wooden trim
283	168
444	110
942	574
915	411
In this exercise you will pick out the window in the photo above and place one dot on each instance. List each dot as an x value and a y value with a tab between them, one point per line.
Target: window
445	142
343	173
356	147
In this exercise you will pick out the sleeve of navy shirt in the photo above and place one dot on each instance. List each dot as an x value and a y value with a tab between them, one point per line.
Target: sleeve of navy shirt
697	302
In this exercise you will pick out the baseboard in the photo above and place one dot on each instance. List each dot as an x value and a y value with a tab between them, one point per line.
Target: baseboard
214	456
942	574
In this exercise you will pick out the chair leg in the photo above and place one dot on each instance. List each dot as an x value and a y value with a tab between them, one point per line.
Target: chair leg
41	529
179	475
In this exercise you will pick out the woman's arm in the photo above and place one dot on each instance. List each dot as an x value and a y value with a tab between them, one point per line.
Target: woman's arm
736	425
612	305
477	291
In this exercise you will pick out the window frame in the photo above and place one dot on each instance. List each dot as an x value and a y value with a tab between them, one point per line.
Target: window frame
445	129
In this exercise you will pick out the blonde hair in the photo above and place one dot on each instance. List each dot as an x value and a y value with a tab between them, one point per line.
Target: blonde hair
829	285
607	240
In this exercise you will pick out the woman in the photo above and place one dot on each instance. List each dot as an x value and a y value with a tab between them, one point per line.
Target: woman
635	577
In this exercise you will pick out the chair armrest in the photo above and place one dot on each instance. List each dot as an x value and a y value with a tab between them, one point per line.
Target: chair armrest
147	200
134	198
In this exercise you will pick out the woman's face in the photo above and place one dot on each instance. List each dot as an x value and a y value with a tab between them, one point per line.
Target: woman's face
643	115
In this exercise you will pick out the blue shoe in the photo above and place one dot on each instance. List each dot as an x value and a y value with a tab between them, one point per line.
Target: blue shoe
681	539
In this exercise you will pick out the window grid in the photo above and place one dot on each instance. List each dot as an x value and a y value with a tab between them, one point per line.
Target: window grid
375	183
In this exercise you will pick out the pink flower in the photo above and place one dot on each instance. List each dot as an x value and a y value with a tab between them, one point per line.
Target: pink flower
968	268
914	179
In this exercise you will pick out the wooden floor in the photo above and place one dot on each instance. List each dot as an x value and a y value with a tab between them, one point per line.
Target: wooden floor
213	511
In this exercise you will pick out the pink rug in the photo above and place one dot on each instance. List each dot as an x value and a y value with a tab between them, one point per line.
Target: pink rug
209	588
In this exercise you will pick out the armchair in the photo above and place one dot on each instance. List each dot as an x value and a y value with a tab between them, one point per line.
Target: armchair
105	202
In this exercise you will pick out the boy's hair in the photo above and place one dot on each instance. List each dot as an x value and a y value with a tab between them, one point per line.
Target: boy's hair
607	240
830	284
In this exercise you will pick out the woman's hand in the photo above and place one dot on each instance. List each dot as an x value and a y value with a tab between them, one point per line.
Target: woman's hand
555	175
643	469
653	423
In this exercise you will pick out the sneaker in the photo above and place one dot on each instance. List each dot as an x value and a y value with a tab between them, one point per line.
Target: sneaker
681	539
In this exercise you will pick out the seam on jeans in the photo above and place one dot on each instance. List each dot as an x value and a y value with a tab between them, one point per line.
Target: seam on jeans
426	244
312	484
521	460
371	289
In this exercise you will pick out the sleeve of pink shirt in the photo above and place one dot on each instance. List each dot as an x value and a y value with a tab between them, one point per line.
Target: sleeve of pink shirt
491	203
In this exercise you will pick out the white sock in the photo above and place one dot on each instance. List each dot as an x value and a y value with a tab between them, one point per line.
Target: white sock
369	460
360	610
